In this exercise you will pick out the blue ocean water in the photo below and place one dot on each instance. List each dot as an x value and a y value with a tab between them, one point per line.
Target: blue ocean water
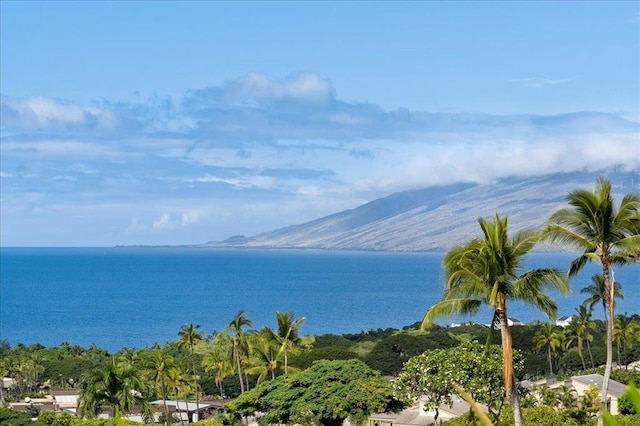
133	297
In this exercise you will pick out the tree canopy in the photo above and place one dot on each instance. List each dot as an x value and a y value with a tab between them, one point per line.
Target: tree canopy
478	369
328	392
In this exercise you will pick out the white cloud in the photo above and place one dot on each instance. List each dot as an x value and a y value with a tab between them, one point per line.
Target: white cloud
134	227
232	157
164	223
539	82
307	87
167	221
41	113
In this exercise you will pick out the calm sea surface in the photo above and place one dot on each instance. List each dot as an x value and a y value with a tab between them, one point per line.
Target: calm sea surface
133	297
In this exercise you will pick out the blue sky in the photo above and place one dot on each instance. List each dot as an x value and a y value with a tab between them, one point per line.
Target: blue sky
184	122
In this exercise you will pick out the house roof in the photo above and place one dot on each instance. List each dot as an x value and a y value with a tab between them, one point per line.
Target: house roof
182	405
416	415
615	388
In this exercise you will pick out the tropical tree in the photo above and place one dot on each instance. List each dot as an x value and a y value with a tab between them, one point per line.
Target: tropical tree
626	332
327	393
579	330
158	365
550	338
265	355
188	337
432	376
5	370
218	358
288	327
604	234
597	293
178	383
238	338
487	271
116	385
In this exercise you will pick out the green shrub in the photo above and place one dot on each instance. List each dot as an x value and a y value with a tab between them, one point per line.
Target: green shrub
47	417
625	405
10	417
628	420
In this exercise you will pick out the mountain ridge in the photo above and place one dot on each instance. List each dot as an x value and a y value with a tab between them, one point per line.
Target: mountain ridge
433	218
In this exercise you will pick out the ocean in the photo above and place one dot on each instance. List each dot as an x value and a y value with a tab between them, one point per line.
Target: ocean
134	297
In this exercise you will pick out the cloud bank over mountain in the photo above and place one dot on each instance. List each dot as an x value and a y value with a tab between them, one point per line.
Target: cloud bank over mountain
256	153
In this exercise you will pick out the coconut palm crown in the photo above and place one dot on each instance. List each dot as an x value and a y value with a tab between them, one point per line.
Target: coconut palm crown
487	271
605	235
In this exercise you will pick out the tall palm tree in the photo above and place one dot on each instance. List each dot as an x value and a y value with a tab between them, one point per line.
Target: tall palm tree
547	336
487	270
188	337
288	327
626	333
235	326
158	364
604	234
598	293
117	385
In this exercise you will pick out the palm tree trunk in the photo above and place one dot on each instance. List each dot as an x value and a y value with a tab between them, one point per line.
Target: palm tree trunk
286	361
549	358
237	351
164	402
219	383
195	383
609	285
511	388
590	354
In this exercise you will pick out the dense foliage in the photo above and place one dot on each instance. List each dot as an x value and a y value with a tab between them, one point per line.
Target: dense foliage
431	376
329	392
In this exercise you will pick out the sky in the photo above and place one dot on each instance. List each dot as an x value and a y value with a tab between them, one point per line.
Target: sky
187	122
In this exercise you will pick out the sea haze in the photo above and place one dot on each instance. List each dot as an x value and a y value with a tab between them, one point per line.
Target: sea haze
133	297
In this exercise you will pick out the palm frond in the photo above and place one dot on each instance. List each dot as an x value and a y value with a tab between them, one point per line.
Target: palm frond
566	234
450	307
524	241
630	245
579	262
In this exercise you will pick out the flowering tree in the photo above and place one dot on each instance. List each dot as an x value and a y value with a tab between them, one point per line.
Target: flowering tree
431	376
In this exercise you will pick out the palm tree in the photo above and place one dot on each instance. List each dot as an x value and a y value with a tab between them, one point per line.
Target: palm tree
597	292
189	336
574	333
487	271
547	336
625	334
238	338
178	382
605	235
218	358
159	364
264	354
117	385
580	329
288	327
